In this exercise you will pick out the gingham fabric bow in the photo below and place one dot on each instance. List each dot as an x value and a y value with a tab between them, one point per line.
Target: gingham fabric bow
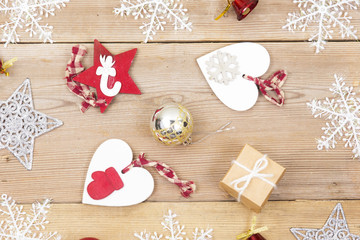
274	83
186	187
73	68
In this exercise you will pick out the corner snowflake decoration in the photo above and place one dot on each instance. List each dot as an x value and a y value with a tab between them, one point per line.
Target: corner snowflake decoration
324	15
343	113
18	225
222	67
20	124
335	228
27	14
157	12
175	230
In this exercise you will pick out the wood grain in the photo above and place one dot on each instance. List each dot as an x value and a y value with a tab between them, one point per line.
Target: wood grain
167	72
83	21
74	221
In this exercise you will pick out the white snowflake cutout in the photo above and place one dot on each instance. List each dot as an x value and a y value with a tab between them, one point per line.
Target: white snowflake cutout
175	231
344	117
20	124
222	67
18	225
324	15
158	12
28	14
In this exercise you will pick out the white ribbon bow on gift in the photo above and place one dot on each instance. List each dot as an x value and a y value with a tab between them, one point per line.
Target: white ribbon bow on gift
260	165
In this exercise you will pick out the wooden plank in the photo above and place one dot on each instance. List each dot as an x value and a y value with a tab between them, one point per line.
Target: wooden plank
74	221
169	72
83	21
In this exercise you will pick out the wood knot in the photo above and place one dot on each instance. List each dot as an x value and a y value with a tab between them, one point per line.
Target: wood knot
5	158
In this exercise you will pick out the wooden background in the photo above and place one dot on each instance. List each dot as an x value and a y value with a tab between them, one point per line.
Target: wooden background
164	70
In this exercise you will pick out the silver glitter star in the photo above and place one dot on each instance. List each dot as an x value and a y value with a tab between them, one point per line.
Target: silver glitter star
335	228
20	124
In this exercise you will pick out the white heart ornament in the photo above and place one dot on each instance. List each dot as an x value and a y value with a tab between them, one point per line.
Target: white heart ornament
138	183
248	58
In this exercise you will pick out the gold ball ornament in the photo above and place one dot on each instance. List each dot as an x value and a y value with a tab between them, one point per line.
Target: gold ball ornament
172	124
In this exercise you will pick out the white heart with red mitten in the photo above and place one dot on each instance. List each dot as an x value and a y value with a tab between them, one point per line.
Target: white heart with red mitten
105	183
224	68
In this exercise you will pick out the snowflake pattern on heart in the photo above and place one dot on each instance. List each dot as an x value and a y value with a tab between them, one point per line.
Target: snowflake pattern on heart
175	231
157	12
222	67
324	15
19	225
28	14
343	113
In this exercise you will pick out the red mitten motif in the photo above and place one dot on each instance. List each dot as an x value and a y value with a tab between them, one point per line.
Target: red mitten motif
104	184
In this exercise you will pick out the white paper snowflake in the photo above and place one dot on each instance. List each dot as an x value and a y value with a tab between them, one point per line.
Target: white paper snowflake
335	228
324	15
20	124
222	67
175	231
28	14
157	12
18	225
344	117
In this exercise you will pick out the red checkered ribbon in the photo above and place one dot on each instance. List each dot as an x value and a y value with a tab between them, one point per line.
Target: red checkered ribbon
73	68
274	83
186	187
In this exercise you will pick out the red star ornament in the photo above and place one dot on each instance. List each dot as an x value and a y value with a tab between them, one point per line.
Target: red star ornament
109	75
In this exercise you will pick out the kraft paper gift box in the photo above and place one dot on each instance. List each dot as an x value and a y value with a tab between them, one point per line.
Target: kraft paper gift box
252	178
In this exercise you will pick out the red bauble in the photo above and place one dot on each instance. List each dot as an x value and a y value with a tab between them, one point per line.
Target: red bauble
256	237
244	7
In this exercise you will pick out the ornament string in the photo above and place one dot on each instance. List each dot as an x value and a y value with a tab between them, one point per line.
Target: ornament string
225	11
224	128
186	187
259	166
272	84
251	231
73	68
